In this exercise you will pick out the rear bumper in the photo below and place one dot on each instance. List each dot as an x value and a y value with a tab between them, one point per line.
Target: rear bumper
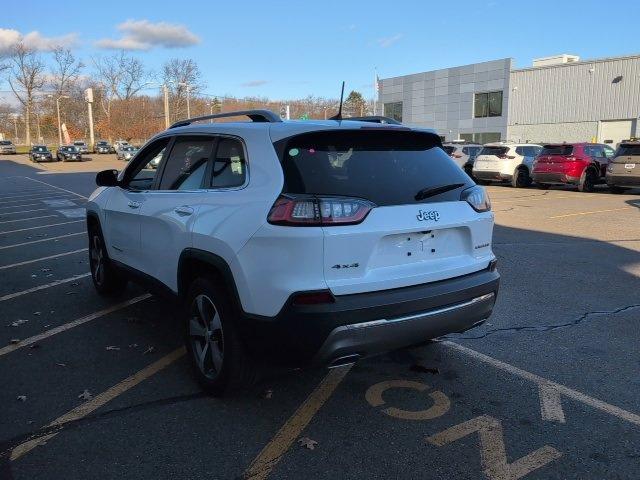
489	175
554	178
623	180
361	325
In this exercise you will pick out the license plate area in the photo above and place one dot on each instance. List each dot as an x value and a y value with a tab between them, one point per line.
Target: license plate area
629	166
418	246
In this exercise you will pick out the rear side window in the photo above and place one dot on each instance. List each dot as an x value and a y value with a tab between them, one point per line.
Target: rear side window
229	168
494	151
188	158
383	166
557	150
628	150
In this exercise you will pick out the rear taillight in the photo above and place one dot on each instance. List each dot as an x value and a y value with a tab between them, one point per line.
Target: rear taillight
477	197
315	211
456	155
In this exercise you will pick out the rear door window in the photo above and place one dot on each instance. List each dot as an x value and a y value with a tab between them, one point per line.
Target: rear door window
186	165
383	166
449	149
229	169
564	150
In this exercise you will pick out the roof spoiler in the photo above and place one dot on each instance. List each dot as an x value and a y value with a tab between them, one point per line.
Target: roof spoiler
374	119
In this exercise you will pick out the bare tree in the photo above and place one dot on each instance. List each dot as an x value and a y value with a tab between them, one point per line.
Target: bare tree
26	77
180	74
120	77
65	71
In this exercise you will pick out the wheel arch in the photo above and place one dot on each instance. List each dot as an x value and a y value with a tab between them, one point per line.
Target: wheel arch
194	262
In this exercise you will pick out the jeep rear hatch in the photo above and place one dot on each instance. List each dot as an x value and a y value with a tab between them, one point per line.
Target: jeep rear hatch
389	203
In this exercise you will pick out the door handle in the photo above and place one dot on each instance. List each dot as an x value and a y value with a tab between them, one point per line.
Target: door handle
183	211
133	204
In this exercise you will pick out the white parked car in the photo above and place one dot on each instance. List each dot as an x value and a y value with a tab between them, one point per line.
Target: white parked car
506	162
464	154
305	243
81	146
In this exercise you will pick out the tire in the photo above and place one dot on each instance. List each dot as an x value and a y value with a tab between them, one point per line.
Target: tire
520	178
483	182
617	190
107	280
587	181
215	352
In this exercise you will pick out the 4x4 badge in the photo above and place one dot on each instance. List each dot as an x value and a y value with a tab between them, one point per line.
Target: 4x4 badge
431	215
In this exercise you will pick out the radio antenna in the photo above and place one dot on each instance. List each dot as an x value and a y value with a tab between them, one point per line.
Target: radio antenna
338	116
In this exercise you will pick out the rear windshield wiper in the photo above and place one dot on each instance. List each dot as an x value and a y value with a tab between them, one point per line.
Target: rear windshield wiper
433	191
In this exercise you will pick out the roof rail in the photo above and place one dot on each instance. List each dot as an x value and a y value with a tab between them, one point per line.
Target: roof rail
374	119
254	115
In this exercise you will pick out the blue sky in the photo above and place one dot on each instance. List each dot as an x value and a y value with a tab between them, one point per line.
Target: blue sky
291	49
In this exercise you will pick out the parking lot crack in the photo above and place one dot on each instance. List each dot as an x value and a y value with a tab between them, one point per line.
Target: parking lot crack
544	328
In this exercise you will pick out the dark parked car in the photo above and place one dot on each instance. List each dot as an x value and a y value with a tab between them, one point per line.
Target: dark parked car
40	153
624	169
81	146
103	147
68	153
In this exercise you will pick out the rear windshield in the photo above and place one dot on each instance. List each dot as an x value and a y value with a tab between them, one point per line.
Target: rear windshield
383	166
557	150
494	150
5	142
39	149
449	149
628	150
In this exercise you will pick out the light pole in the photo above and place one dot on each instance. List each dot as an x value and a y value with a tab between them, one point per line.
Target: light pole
58	112
187	86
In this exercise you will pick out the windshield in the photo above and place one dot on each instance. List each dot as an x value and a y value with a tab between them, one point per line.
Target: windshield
628	150
563	150
382	166
39	149
497	151
5	142
79	144
130	149
449	149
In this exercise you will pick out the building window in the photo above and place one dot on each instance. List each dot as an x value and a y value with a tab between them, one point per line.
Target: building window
488	104
393	110
481	138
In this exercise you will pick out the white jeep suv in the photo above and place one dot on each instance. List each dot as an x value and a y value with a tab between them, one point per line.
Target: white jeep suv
506	162
303	242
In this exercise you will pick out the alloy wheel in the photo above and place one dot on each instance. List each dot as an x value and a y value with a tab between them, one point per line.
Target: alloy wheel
206	336
97	260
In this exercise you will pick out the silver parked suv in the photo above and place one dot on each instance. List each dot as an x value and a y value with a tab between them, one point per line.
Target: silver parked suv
306	243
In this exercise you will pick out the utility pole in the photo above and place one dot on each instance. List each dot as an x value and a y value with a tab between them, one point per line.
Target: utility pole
88	95
15	126
165	94
58	112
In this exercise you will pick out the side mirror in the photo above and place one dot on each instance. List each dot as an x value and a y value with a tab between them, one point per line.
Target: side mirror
107	178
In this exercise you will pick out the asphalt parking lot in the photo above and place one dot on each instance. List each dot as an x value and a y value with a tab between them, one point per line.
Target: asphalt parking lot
546	389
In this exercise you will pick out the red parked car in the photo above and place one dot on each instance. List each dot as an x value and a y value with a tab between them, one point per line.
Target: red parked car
581	164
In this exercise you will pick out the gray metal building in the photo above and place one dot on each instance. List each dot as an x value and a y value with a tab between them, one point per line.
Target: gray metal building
559	99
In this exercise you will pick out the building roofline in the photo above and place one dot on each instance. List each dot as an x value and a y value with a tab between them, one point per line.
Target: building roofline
447	68
581	62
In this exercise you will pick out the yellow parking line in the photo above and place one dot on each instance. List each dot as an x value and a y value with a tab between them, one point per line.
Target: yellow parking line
43	226
69	325
42	240
98	401
42	287
267	459
590	213
27	262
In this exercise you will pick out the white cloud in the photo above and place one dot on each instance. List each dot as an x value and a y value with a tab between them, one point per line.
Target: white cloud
144	35
34	40
254	83
388	41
